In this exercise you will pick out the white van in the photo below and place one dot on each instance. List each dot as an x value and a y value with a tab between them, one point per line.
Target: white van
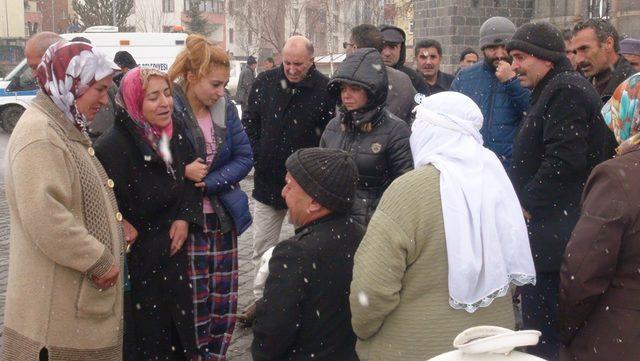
234	76
157	50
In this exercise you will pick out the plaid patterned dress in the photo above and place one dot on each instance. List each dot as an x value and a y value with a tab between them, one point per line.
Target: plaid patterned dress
213	271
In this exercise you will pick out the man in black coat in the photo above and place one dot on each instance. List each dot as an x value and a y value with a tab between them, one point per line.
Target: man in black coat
304	313
394	54
597	53
288	109
561	139
247	77
428	56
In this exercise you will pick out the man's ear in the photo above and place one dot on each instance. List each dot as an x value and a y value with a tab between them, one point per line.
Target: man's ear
608	44
314	206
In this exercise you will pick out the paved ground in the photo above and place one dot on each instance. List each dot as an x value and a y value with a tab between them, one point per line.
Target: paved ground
240	347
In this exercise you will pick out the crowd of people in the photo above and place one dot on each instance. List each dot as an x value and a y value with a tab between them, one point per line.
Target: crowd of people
423	203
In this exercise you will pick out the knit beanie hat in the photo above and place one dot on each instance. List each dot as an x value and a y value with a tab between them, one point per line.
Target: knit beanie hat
630	46
542	40
329	176
496	31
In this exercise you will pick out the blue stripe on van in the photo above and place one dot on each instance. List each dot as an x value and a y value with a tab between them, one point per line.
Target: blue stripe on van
4	93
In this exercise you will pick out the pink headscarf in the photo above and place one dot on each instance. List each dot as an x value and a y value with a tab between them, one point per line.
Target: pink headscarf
132	92
67	71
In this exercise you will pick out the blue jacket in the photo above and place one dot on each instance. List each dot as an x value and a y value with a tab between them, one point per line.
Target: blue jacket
502	105
233	160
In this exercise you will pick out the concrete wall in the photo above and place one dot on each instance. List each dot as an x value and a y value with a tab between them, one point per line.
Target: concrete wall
12	19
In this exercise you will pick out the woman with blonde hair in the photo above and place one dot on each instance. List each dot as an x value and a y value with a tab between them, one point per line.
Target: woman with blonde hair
222	158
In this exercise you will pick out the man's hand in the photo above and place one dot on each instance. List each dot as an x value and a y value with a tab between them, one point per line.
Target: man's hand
196	170
178	232
130	232
107	280
504	71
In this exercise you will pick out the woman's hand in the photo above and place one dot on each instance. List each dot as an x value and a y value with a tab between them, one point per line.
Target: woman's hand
196	170
178	232
130	232
108	279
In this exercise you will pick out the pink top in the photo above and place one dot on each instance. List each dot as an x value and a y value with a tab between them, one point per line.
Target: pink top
206	124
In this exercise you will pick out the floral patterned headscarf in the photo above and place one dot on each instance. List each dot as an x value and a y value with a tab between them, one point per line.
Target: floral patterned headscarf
67	71
622	111
132	91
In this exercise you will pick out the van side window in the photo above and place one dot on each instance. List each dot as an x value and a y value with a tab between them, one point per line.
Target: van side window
23	81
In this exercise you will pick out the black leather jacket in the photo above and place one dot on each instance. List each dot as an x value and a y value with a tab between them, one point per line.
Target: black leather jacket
381	154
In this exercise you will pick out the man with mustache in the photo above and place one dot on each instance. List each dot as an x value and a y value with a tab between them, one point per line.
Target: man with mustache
493	86
562	138
428	55
597	47
394	54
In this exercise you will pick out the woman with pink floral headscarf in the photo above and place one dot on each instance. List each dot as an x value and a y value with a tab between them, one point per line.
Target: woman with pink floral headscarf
145	153
64	294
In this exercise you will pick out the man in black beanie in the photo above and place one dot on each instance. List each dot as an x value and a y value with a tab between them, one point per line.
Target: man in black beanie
562	138
304	313
126	62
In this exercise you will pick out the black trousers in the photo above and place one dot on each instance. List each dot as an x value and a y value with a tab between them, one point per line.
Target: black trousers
540	312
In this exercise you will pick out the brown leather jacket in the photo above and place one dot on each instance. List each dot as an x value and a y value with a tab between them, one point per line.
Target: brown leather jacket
600	275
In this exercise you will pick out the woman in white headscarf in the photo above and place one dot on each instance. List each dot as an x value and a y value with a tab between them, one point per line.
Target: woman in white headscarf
64	294
445	244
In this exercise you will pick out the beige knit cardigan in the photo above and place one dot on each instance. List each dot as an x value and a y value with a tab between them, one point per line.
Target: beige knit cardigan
399	295
65	228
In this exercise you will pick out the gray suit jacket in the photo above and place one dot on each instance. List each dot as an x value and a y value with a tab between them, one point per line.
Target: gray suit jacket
400	96
247	76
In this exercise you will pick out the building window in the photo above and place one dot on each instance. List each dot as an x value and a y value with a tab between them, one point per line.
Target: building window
168	6
231	36
599	9
209	6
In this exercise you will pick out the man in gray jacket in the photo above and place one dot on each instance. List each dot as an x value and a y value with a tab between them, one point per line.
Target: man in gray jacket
401	91
247	76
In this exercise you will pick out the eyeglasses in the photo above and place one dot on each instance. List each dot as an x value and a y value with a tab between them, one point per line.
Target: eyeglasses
345	45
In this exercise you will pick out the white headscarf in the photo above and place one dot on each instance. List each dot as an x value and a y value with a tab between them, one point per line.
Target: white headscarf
487	242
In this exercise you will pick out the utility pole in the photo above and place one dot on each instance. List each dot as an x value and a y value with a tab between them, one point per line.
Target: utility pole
53	16
113	11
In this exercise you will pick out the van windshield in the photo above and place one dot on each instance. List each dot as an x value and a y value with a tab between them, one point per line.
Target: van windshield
17	70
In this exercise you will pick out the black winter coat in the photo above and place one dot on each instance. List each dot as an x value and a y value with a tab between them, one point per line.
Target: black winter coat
304	313
281	118
620	72
151	199
384	153
561	139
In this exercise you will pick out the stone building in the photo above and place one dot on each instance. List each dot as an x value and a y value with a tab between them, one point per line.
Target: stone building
456	23
565	13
